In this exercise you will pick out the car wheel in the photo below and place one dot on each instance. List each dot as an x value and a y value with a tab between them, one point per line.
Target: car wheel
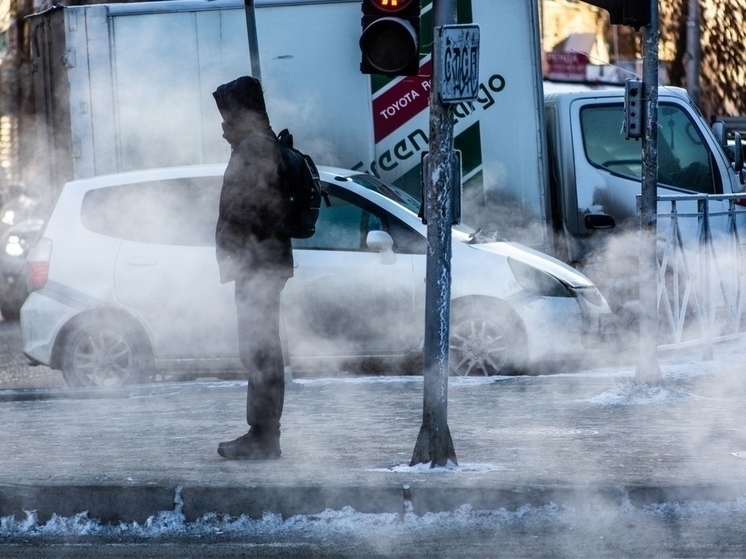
103	354
485	342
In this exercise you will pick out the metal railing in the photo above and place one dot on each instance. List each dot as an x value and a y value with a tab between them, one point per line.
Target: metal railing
701	268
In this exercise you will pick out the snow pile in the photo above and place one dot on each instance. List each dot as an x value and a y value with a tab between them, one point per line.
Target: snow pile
450	468
349	521
637	393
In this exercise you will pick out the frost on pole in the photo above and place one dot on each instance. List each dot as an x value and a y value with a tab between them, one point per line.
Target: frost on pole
434	443
648	368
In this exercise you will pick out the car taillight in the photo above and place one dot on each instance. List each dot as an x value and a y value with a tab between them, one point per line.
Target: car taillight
37	264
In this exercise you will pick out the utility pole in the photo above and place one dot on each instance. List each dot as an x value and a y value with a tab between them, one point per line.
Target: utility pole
256	70
434	444
648	367
693	51
455	79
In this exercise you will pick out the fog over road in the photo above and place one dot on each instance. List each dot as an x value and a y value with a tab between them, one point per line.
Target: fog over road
623	526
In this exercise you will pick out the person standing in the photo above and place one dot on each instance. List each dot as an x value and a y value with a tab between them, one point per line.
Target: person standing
253	252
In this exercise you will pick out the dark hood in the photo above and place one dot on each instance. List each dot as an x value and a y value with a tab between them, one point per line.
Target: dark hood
241	104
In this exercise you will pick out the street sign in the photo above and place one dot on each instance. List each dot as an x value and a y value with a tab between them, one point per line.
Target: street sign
567	66
459	63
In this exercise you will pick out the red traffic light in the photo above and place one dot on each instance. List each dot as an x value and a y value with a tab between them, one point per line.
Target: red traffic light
390	42
390	6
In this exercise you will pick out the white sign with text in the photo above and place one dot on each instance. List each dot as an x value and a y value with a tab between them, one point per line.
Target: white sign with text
458	71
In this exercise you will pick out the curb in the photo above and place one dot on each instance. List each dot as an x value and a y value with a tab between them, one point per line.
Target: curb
111	504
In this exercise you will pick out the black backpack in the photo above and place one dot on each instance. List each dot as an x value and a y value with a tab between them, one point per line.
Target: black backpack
301	189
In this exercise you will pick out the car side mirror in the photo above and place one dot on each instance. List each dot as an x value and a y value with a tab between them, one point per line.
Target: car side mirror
381	242
599	221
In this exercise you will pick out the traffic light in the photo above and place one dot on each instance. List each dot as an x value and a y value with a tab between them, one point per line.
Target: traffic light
635	13
390	41
634	109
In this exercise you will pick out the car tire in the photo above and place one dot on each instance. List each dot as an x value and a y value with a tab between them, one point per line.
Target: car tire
10	311
486	340
104	354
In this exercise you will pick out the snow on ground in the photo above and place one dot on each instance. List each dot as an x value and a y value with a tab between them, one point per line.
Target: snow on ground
339	523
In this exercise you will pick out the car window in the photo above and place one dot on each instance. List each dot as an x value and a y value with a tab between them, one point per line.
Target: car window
344	224
171	212
184	212
683	159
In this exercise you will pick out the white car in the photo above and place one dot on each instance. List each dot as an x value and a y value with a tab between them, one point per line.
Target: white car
124	285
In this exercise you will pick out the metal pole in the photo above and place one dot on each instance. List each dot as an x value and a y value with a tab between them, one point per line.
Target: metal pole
705	266
693	51
256	70
648	367
434	444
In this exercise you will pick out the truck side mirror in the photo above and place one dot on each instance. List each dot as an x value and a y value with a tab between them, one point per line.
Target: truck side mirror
599	221
737	153
721	134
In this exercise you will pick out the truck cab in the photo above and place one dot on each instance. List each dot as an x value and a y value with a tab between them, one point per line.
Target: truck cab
595	172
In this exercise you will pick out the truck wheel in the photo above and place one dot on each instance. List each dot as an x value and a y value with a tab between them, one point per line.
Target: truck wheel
103	354
486	341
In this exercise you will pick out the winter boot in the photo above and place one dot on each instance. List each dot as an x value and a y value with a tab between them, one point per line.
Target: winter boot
260	443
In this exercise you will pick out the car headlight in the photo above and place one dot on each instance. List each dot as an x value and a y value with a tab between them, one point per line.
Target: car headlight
537	282
14	247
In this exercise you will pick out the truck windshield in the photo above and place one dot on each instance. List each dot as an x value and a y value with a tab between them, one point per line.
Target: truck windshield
683	158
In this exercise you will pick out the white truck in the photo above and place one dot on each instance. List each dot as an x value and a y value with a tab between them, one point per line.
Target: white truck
128	86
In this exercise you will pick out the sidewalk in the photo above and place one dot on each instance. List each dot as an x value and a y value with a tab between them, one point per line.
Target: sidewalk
569	439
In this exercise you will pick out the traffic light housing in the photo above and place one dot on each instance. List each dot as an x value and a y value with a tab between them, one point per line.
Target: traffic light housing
635	13
390	40
634	109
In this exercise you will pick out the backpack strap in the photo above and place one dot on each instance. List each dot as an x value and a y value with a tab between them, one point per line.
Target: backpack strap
285	138
278	144
265	136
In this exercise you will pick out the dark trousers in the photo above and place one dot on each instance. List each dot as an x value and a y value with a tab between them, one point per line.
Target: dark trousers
260	348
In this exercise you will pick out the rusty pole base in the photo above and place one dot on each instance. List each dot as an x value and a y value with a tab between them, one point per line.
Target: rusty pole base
434	448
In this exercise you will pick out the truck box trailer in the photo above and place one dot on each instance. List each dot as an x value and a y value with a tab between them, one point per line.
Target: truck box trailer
128	86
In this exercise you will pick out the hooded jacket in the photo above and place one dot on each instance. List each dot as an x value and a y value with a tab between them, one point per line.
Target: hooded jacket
247	237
